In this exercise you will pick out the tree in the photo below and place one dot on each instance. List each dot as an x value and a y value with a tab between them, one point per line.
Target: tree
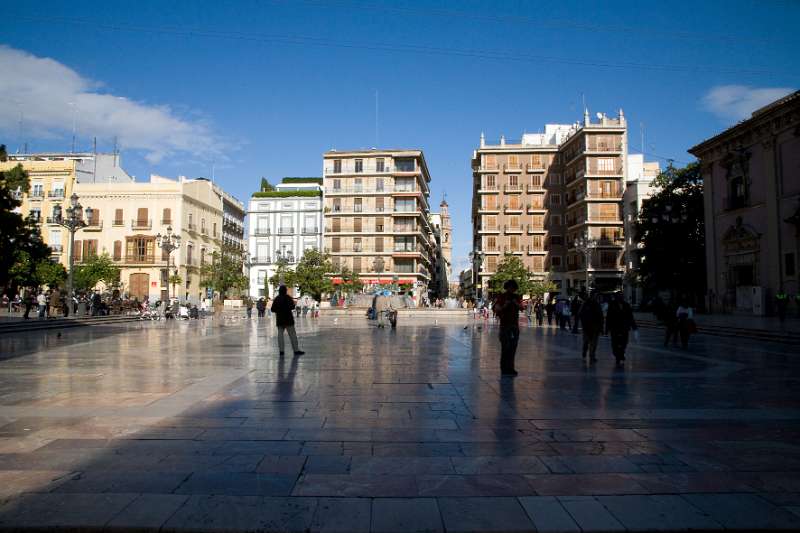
674	217
351	283
312	275
95	268
27	272
511	267
283	275
266	186
20	238
224	272
541	287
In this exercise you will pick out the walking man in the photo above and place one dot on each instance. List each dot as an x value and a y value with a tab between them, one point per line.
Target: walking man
282	306
619	323
41	301
507	307
591	317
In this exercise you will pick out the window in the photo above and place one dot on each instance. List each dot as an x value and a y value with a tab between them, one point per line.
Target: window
404	244
379	224
491	243
76	250
379	165
337	166
37	190
118	217
214	229
405	204
117	250
556	240
513	161
490	182
95	220
404	185
491	263
608	259
379	204
140	249
490	202
555	199
538	263
359	165
789	268
36	214
202	225
607	211
514	202
189	250
536	160
537	201
336	244
337	184
337	205
605	164
536	181
358	185
513	222
141	216
513	181
403	266
737	193
555	220
166	216
89	248
379	183
555	261
489	161
357	264
357	224
513	242
555	179
378	244
537	222
357	205
491	222
536	243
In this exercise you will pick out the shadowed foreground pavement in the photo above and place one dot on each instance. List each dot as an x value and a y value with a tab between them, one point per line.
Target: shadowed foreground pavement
201	426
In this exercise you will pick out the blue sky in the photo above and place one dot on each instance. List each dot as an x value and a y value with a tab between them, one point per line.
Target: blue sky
262	88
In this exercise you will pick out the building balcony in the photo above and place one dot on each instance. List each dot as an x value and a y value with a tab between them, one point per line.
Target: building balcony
310	230
489	230
488	210
166	221
489	189
513	210
512	188
512	250
141	224
534	168
94	225
488	168
38	195
508	228
603	147
372	169
533	250
261	260
56	195
285	231
534	208
140	259
534	188
536	228
56	248
509	169
261	232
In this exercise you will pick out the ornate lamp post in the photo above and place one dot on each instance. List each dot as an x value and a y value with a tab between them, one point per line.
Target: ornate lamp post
168	243
476	257
73	221
586	246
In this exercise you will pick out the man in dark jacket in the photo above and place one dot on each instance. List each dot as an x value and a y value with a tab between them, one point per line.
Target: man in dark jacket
591	317
282	306
507	307
619	323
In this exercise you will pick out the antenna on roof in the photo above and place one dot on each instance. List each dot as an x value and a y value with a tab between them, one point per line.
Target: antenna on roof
377	137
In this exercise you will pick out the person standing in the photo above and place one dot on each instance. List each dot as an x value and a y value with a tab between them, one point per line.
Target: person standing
282	306
249	307
619	323
670	324
550	309
41	301
507	307
261	307
685	316
574	309
591	317
27	299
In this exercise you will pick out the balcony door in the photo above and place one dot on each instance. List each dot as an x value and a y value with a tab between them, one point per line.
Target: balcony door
139	285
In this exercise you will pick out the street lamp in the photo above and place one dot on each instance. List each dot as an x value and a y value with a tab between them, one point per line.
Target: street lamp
168	243
476	257
73	221
586	246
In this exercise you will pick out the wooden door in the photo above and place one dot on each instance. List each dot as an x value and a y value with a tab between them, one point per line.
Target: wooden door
139	286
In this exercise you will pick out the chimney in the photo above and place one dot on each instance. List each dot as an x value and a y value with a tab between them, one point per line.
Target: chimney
586	120
483	140
502	140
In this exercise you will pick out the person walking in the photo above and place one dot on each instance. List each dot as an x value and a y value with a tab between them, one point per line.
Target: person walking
619	323
781	303
28	300
249	307
261	307
538	311
574	309
507	307
282	306
591	317
670	324
550	310
685	316
55	303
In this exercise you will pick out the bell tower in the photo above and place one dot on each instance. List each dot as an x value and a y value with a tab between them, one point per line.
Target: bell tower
447	239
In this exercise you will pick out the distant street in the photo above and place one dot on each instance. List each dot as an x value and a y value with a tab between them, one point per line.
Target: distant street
201	426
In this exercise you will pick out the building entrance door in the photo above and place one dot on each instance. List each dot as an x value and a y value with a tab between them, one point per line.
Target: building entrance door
139	286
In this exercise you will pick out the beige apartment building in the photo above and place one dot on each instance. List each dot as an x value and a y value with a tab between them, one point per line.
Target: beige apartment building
52	179
555	200
129	216
376	214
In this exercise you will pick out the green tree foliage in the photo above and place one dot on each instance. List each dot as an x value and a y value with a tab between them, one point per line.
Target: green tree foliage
26	272
284	275
672	231
266	186
541	287
312	275
224	272
20	239
95	268
351	283
511	267
50	273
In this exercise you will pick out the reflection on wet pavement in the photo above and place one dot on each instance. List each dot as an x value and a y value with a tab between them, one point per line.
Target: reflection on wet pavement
201	425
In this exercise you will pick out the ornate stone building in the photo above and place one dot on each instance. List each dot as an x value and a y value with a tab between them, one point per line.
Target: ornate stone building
751	174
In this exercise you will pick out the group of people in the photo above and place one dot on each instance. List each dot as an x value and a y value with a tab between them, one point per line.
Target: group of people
304	306
616	320
56	303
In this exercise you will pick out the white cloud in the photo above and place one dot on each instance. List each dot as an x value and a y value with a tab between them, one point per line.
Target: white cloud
737	102
45	91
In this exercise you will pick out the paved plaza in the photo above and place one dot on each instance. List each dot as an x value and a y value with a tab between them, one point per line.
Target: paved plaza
201	426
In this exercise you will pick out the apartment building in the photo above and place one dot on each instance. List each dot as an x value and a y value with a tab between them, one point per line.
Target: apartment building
284	223
52	178
127	217
232	221
377	216
638	188
555	200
